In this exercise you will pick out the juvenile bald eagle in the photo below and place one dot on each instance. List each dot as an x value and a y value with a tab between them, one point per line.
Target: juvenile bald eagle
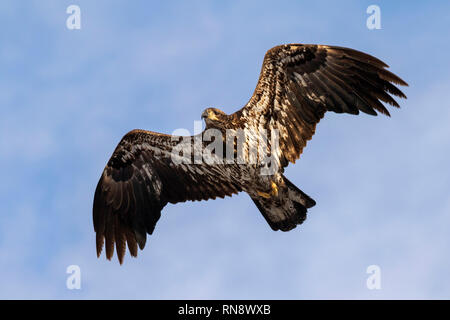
298	84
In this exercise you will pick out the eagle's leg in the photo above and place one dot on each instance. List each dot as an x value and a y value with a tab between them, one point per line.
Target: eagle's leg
273	192
274	189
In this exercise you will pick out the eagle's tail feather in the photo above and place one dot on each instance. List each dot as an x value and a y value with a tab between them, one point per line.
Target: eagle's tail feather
287	210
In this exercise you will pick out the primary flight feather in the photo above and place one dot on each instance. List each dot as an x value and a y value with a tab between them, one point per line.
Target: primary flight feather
298	84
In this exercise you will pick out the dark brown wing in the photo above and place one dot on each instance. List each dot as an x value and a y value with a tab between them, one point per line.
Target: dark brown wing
299	83
138	181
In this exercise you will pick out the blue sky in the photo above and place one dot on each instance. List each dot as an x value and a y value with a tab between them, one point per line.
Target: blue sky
68	96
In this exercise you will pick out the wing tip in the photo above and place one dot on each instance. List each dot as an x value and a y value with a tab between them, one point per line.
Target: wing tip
130	242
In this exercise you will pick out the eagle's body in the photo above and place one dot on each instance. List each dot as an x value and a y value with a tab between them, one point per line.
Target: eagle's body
297	85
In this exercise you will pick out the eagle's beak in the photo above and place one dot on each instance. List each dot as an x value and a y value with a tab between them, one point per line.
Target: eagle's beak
208	114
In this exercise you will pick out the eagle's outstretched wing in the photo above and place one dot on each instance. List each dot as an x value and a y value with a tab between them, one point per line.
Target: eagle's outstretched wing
299	83
138	181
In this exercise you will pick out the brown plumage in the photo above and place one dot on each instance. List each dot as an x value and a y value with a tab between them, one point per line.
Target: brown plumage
298	84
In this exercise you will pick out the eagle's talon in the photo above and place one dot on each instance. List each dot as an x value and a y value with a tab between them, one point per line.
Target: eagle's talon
264	194
273	191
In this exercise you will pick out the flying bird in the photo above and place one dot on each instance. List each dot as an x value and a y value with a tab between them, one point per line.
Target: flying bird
297	85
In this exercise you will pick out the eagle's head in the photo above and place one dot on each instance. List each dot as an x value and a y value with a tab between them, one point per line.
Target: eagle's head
214	117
